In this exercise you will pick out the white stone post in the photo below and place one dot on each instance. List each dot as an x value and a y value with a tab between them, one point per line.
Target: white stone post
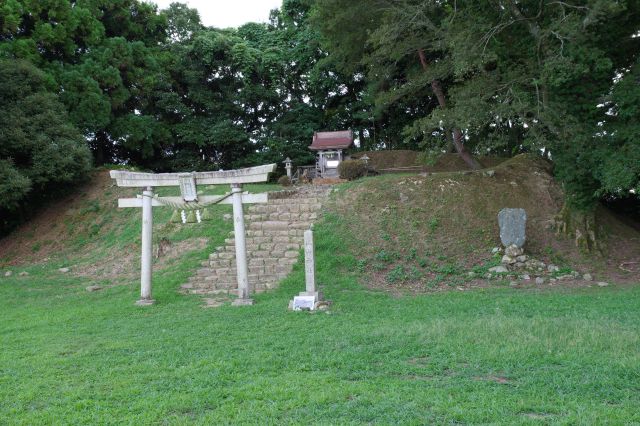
241	249
309	264
147	248
310	298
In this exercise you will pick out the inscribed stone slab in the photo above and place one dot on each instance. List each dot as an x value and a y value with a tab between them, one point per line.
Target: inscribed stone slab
513	223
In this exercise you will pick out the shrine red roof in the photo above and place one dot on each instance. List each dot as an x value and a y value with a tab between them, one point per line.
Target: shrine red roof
342	139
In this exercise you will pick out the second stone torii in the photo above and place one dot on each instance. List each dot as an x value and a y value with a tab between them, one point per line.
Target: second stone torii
187	183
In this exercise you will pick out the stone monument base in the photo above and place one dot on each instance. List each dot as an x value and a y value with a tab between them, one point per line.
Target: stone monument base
242	302
145	302
313	299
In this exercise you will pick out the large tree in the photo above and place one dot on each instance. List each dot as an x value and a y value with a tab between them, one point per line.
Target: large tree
41	151
508	76
102	56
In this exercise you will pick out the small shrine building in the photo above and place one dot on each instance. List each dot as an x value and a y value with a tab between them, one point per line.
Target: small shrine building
330	147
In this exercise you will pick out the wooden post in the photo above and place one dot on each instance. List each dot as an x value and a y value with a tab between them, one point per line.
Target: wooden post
147	248
244	296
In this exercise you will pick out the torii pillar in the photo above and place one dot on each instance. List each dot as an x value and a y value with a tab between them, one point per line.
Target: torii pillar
146	260
242	270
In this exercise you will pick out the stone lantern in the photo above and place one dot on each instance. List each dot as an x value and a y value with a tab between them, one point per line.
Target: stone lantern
287	165
366	159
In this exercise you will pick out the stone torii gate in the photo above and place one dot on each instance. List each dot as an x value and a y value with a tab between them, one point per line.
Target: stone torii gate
187	183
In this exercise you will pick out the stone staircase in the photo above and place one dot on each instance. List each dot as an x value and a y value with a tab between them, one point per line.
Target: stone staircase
274	237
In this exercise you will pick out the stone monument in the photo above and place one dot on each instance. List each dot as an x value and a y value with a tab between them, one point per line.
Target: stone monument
513	224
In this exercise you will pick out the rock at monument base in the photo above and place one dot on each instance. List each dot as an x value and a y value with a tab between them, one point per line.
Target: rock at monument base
499	269
513	251
64	270
587	277
535	264
8	273
513	223
323	305
539	280
508	260
553	268
602	284
23	274
93	288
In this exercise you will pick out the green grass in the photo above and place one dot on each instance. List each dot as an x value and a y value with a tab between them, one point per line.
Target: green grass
485	356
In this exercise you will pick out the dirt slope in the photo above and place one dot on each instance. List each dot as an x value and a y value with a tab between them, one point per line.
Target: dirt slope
81	214
429	230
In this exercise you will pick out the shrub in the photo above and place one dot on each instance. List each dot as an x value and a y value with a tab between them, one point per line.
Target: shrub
351	169
284	181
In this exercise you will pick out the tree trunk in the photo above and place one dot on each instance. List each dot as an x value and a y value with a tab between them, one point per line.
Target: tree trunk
99	152
581	226
458	143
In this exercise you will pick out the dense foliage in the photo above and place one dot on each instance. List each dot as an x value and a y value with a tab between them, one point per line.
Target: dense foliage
39	148
159	90
505	77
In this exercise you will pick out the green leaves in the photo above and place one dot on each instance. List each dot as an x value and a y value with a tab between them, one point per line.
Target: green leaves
40	149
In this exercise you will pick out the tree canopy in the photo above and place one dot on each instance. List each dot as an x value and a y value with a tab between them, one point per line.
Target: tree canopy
157	89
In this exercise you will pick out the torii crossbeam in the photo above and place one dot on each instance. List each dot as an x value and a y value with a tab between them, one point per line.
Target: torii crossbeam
188	187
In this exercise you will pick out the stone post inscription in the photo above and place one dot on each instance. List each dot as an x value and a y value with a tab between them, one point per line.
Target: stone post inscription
309	263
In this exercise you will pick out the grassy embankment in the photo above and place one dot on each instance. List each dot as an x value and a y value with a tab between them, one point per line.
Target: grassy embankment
496	355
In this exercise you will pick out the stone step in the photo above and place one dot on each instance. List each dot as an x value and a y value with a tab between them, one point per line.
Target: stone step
276	243
264	266
274	238
290	217
293	207
279	225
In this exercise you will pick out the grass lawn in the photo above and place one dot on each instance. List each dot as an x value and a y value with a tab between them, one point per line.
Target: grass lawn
485	356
